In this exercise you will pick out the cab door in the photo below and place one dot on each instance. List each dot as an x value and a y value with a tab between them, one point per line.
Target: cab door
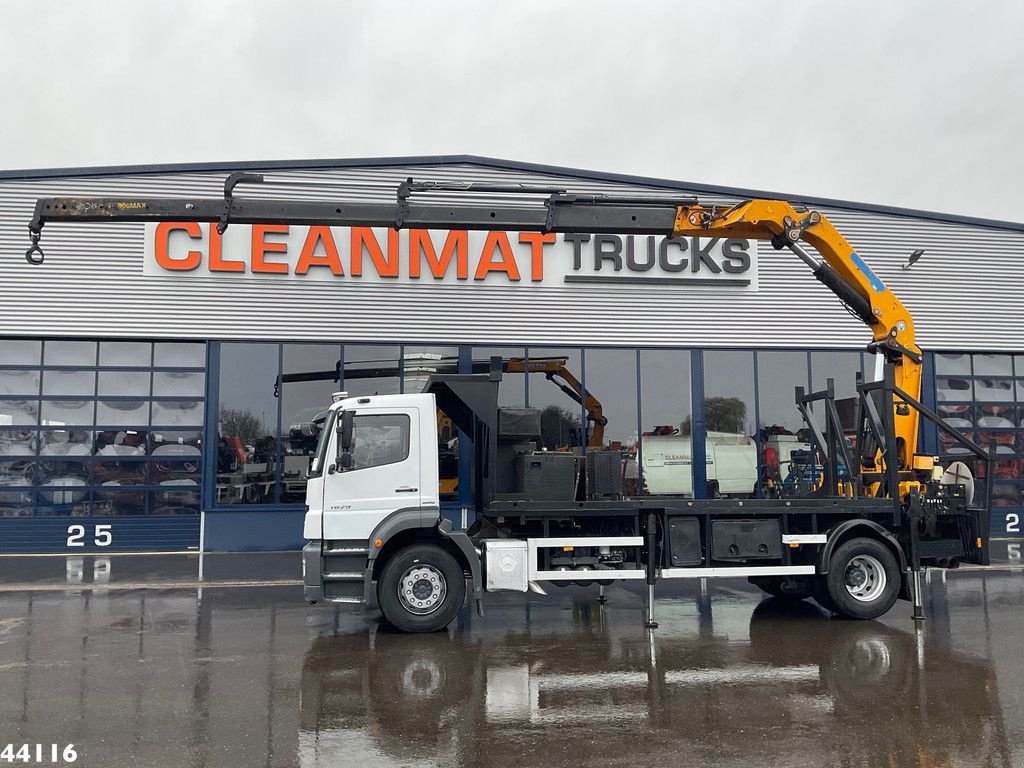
384	476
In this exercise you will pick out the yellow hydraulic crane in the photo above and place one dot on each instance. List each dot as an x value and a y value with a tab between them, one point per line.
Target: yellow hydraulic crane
842	270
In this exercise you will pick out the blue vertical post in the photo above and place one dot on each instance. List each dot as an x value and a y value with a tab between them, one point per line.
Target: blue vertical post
207	495
697	430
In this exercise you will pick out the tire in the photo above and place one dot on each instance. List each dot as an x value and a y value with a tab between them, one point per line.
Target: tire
773	585
863	579
433	589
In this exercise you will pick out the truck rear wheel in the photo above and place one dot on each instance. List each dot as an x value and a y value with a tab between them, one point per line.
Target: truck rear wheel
421	589
863	579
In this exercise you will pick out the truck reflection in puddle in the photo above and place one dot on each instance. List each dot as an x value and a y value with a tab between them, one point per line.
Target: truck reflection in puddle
803	690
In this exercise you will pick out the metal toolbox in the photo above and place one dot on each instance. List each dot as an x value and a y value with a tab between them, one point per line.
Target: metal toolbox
547	475
505	564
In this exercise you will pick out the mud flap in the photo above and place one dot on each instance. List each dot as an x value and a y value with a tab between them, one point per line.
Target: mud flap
465	545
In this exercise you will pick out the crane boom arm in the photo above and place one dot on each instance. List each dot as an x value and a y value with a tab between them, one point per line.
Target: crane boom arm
842	270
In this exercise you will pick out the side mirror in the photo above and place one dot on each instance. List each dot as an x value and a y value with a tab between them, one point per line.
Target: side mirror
345	431
345	440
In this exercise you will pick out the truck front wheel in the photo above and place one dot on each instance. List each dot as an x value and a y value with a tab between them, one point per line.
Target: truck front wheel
421	589
863	579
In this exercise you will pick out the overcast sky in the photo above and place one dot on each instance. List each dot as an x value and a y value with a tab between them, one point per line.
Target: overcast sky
916	104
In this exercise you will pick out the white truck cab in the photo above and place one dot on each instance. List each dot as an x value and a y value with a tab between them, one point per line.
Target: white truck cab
389	466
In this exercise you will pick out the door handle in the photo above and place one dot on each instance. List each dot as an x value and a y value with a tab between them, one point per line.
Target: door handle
406	489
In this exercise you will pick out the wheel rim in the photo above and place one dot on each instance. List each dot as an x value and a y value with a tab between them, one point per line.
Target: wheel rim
422	589
865	578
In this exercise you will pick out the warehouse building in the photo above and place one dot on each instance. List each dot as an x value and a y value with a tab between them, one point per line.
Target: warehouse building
154	378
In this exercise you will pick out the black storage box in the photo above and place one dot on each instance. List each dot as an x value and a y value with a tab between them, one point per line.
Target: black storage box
684	546
518	424
547	475
746	540
604	475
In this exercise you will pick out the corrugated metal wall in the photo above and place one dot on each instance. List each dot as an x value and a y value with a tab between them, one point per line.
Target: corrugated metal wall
964	294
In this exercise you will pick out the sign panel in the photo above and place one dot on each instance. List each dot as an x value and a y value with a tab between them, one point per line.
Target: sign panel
410	256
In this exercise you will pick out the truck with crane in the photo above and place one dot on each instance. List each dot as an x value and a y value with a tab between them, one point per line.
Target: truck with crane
875	511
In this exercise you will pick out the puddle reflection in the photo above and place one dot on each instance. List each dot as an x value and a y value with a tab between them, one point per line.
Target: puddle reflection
799	687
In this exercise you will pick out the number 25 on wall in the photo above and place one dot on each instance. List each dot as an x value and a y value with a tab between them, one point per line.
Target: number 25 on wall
101	536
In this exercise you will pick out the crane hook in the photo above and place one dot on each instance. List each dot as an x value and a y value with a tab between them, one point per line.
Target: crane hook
34	254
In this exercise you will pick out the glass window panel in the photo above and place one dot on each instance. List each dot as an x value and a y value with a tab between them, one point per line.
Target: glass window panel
20	352
172	444
63	495
419	363
116	473
121	442
179	355
132	354
172	471
16	492
665	447
1007	468
179	384
65	442
59	413
996	416
18	442
69	383
301	402
175	498
561	416
63	472
994	365
778	376
948	362
611	381
729	421
69	353
247	421
948	389
16	473
993	390
118	502
379	440
959	416
371	370
22	382
512	389
124	383
16	500
15	412
1006	495
122	413
178	413
842	368
729	392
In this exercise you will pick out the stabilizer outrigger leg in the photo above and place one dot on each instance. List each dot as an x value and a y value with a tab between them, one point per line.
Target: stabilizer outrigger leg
652	565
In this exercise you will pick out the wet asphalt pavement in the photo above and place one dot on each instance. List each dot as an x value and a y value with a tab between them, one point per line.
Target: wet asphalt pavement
252	676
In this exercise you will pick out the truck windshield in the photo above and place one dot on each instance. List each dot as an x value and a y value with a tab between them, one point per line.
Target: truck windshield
326	428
